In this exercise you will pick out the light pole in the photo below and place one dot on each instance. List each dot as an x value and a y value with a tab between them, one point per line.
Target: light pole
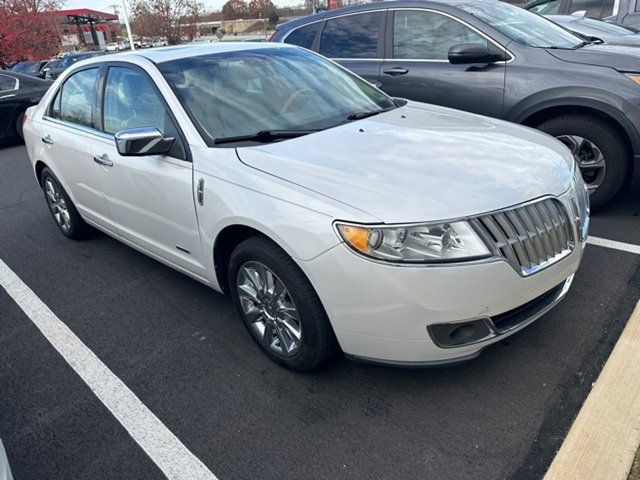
126	22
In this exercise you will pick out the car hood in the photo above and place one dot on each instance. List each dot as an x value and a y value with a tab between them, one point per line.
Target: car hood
620	57
421	162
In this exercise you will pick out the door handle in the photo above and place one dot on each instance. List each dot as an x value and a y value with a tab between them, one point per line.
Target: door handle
103	160
47	139
395	71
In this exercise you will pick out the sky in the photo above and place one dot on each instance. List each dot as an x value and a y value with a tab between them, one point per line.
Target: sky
103	5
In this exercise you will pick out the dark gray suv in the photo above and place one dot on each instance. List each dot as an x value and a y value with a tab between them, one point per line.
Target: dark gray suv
494	59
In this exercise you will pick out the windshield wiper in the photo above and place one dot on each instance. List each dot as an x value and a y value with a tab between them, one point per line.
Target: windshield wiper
264	136
368	113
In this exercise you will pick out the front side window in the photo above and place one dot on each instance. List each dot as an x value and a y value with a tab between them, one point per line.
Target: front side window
521	25
131	101
7	83
77	96
429	35
303	36
277	88
547	8
353	36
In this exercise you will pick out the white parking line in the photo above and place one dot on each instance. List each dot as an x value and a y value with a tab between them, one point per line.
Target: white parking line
625	247
162	446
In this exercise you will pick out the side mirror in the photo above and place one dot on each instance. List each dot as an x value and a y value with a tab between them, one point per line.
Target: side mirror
473	53
138	142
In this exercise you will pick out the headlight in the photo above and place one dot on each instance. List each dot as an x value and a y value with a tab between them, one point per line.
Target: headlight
633	76
439	242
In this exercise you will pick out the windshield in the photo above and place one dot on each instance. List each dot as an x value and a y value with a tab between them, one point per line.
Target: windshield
26	67
595	27
70	60
522	26
240	93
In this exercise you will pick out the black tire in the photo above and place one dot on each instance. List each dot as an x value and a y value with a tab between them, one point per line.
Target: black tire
318	342
18	125
611	143
78	228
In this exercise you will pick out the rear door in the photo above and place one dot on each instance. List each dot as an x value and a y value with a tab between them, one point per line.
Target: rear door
418	67
68	130
356	42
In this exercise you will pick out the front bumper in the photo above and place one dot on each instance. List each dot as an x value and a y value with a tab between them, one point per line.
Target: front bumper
385	313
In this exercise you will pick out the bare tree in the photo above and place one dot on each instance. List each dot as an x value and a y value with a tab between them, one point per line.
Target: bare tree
170	19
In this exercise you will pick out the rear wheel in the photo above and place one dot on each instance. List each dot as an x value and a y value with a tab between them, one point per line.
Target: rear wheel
279	306
62	209
599	150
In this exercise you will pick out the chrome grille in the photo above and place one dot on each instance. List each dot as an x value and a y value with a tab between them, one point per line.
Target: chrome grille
530	236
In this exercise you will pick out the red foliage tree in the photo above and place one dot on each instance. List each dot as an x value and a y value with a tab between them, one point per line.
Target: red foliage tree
170	19
27	30
235	10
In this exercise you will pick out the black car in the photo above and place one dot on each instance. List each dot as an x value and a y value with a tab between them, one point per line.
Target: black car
68	60
495	59
17	93
33	69
624	12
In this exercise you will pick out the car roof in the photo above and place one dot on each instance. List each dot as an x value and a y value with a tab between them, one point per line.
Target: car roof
175	52
375	6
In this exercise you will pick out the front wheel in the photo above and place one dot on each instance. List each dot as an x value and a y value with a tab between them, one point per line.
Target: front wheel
279	306
599	150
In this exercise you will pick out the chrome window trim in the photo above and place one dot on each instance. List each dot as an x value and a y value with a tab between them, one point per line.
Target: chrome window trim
482	34
77	126
16	85
286	35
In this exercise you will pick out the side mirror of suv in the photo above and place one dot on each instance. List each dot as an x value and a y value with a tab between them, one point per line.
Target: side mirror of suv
473	53
142	141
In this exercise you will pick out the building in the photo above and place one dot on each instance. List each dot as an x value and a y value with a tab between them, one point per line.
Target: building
85	29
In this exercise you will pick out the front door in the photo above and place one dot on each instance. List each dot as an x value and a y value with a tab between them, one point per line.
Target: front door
150	197
418	67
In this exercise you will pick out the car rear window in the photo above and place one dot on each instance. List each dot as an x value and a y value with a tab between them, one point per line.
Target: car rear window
353	36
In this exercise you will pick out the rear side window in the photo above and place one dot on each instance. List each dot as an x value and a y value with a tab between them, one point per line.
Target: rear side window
547	8
428	35
76	98
303	36
7	83
353	36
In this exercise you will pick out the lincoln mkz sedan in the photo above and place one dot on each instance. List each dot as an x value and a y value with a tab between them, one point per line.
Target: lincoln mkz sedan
334	215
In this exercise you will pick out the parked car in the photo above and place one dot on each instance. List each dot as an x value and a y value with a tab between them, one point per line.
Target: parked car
112	47
159	42
33	69
590	29
624	12
499	60
17	93
68	60
48	66
411	233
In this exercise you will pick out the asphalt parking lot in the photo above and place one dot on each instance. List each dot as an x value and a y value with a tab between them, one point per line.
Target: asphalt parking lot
183	351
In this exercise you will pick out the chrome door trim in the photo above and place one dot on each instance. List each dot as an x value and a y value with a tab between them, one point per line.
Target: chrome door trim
77	126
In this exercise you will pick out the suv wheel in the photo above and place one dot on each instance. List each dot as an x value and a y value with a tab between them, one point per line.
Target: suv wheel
279	306
599	150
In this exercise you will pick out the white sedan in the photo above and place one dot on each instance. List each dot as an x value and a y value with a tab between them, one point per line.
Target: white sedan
334	215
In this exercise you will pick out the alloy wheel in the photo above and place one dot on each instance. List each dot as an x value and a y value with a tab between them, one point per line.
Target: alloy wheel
589	158
269	309
57	203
